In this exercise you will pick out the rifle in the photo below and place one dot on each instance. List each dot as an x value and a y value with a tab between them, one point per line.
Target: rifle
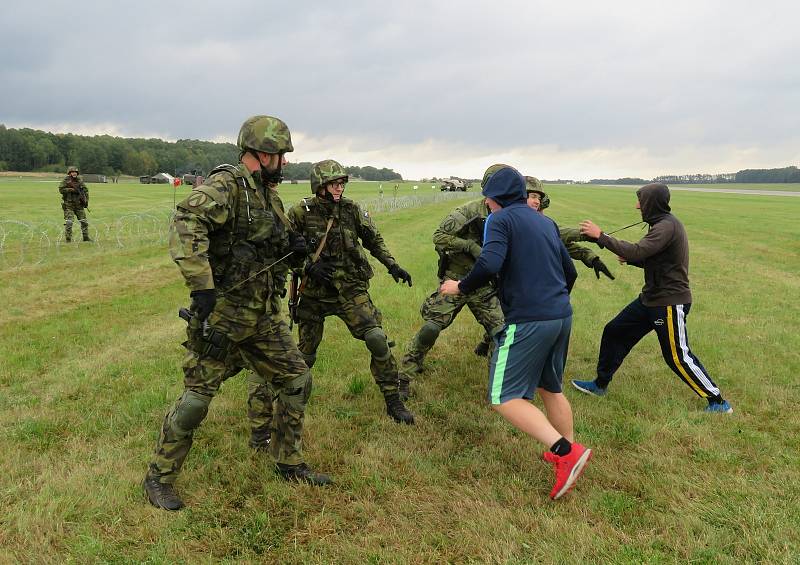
83	197
294	298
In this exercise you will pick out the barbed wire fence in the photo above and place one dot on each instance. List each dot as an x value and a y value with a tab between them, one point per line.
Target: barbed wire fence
32	243
23	244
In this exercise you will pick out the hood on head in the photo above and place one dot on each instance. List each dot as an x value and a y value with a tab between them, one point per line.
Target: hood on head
505	187
653	201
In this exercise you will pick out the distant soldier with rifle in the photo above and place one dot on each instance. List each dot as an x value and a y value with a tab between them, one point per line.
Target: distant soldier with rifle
74	200
230	237
336	277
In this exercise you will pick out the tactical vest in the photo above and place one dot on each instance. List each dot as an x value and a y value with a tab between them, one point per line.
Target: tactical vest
342	247
72	198
253	238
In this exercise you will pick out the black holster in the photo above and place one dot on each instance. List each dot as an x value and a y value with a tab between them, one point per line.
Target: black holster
444	261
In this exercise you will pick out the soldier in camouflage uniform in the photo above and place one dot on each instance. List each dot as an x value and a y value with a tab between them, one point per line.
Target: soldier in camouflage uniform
458	241
337	277
74	199
228	238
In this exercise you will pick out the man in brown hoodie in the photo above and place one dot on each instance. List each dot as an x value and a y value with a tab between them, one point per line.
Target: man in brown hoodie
663	304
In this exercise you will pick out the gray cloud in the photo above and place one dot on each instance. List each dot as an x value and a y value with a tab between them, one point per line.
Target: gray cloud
491	78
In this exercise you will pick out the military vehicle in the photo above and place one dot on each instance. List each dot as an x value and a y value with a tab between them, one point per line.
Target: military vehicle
454	184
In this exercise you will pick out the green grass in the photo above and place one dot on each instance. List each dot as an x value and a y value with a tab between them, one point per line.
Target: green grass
90	360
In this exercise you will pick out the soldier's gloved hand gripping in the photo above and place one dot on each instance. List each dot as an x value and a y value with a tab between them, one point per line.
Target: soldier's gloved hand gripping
203	302
600	267
400	274
297	243
321	272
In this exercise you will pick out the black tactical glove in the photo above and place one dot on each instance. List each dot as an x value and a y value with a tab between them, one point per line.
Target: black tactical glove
482	349
600	267
203	302
321	272
297	243
400	274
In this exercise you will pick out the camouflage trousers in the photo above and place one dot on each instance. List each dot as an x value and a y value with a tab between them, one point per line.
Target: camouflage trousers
262	343
70	213
439	311
362	319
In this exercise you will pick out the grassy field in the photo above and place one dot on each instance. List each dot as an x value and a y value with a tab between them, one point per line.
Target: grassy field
90	360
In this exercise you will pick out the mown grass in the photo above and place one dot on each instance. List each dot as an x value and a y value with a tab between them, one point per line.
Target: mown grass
90	360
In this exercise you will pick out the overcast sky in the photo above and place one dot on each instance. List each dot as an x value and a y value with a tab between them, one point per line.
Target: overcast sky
580	89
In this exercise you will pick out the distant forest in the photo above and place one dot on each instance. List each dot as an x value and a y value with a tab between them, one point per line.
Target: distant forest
34	150
784	174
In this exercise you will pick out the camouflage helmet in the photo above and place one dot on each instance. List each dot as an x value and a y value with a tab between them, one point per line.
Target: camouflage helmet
266	134
73	168
324	172
490	171
532	184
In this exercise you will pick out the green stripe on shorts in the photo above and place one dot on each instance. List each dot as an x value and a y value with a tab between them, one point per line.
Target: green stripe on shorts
500	366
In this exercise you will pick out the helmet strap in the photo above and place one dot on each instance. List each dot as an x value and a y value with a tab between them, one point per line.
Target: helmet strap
264	175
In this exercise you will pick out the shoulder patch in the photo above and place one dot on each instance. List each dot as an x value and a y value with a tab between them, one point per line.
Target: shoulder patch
448	225
366	214
197	199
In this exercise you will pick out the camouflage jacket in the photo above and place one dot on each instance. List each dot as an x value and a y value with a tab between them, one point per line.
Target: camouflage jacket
572	235
71	188
351	232
227	230
459	238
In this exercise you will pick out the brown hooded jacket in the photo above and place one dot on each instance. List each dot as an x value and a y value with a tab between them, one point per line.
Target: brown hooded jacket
663	252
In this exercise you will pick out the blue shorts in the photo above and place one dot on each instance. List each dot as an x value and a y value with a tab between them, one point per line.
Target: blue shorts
528	356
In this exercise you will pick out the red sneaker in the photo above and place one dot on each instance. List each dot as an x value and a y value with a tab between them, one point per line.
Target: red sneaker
568	468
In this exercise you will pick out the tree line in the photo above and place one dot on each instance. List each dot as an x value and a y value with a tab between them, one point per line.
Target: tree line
40	151
302	171
779	175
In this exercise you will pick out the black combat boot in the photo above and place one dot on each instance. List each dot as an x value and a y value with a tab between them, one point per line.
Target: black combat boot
259	440
302	473
397	410
161	495
86	237
68	238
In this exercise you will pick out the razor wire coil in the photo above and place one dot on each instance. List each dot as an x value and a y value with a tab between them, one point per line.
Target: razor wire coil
32	243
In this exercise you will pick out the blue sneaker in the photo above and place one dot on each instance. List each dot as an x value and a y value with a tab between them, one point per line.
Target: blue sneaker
589	387
722	407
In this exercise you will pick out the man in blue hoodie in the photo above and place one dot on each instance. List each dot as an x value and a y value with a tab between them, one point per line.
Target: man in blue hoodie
523	250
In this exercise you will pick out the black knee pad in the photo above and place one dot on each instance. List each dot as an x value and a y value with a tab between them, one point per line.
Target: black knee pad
377	343
428	334
191	410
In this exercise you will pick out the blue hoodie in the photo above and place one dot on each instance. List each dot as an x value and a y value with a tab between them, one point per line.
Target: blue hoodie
524	249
